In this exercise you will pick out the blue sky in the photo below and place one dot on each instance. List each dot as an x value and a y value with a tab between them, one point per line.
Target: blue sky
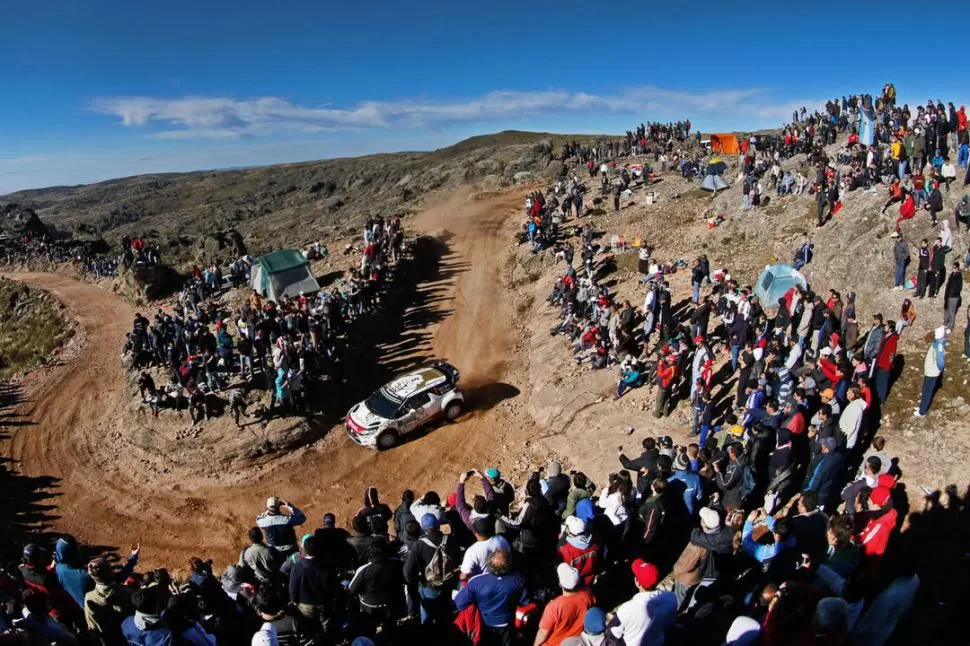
103	88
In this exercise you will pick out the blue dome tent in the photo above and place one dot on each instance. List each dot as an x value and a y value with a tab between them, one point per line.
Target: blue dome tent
775	281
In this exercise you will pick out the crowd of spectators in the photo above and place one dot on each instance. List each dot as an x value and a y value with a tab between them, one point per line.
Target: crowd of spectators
212	356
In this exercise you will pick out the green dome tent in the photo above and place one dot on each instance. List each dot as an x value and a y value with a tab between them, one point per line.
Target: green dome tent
775	281
282	273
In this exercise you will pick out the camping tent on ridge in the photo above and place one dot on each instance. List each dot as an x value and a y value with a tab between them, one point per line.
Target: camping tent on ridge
282	273
713	181
775	281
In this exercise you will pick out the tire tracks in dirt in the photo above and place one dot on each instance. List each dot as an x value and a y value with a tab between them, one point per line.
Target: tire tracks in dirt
108	496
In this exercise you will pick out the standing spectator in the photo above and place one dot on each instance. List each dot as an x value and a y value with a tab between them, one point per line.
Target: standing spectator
825	473
901	258
497	593
378	585
730	478
594	630
108	604
312	586
579	550
264	561
884	361
879	521
278	526
477	556
933	365
850	422
564	616
951	294
436	550
644	619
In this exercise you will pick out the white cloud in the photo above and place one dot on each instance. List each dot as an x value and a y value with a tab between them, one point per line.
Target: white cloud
199	117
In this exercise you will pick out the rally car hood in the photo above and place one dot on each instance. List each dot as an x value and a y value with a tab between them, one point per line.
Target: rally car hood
364	418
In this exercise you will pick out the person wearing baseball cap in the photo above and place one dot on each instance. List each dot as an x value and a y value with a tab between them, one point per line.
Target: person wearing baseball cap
500	492
565	615
433	597
594	629
709	546
874	538
279	527
645	617
580	550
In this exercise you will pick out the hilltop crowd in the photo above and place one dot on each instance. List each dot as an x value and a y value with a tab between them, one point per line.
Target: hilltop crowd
639	141
208	353
27	247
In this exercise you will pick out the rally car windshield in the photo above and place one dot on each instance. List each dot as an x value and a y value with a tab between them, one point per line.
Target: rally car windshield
382	405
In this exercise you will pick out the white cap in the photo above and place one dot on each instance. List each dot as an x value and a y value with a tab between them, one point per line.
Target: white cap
710	519
940	332
568	576
575	526
272	503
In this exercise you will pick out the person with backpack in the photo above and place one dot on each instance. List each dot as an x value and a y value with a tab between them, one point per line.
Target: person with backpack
431	572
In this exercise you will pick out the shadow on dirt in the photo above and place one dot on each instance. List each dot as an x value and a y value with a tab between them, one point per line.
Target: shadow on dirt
486	396
27	503
397	338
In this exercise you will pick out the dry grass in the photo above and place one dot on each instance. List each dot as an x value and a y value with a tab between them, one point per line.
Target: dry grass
31	327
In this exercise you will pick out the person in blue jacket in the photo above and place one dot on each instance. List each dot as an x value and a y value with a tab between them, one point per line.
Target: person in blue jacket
72	571
497	594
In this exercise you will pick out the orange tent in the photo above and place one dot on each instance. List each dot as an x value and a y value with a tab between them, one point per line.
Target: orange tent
726	144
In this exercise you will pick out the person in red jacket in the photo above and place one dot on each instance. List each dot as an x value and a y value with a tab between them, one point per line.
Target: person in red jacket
884	360
581	550
906	210
880	522
666	375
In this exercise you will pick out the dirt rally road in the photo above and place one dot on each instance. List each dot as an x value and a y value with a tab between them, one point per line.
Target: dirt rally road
107	495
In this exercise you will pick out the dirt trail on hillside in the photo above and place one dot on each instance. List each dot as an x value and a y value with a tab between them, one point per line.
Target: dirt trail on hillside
108	496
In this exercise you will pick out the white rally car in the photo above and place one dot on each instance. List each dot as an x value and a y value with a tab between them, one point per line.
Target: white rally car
406	404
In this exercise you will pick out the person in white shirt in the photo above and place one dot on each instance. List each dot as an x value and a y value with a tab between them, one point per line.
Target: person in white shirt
614	502
851	419
644	619
486	543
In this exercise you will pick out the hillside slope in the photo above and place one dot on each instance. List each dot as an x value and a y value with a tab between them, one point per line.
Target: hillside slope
284	205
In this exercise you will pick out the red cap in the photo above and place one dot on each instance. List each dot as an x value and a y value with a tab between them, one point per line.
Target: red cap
881	496
699	338
645	573
452	498
886	480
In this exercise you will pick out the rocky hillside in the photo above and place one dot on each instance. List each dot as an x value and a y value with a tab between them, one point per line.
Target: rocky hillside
287	205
